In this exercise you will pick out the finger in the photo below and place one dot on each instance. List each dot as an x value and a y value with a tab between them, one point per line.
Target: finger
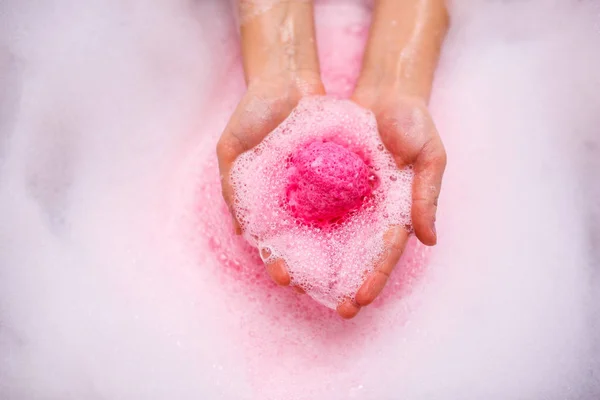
348	309
298	289
394	242
410	135
278	272
429	169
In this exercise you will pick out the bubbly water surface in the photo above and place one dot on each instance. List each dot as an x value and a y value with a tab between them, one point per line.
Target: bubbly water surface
120	277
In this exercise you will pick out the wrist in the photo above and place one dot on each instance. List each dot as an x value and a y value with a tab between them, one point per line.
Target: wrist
381	93
404	46
279	41
379	85
292	86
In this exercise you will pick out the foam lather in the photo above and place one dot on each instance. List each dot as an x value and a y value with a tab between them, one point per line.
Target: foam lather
319	192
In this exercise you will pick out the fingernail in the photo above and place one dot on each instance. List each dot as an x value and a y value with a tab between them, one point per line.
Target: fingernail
265	254
433	230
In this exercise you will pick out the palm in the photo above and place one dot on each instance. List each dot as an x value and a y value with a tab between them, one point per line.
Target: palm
407	130
264	106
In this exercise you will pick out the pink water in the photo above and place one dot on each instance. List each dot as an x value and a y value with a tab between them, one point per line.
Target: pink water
120	277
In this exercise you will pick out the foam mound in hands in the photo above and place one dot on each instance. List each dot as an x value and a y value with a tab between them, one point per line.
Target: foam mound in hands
319	192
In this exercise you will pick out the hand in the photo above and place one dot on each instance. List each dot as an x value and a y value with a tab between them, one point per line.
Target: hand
267	102
414	27
281	66
408	132
395	83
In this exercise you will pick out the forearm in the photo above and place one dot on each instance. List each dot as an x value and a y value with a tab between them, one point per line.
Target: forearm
404	46
278	36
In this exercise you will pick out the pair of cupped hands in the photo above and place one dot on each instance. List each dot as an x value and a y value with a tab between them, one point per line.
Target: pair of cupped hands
406	129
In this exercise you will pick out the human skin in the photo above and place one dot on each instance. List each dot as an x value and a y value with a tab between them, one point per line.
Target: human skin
395	83
281	66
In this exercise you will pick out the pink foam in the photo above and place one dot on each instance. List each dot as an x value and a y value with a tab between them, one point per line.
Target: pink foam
319	192
326	181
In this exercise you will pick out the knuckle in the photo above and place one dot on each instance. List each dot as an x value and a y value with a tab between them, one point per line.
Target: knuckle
426	199
422	208
222	147
433	153
229	146
384	274
442	157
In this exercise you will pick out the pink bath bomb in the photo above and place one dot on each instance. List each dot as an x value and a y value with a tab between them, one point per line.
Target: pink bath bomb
325	182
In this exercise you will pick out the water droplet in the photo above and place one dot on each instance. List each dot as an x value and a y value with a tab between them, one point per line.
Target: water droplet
380	147
393	178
